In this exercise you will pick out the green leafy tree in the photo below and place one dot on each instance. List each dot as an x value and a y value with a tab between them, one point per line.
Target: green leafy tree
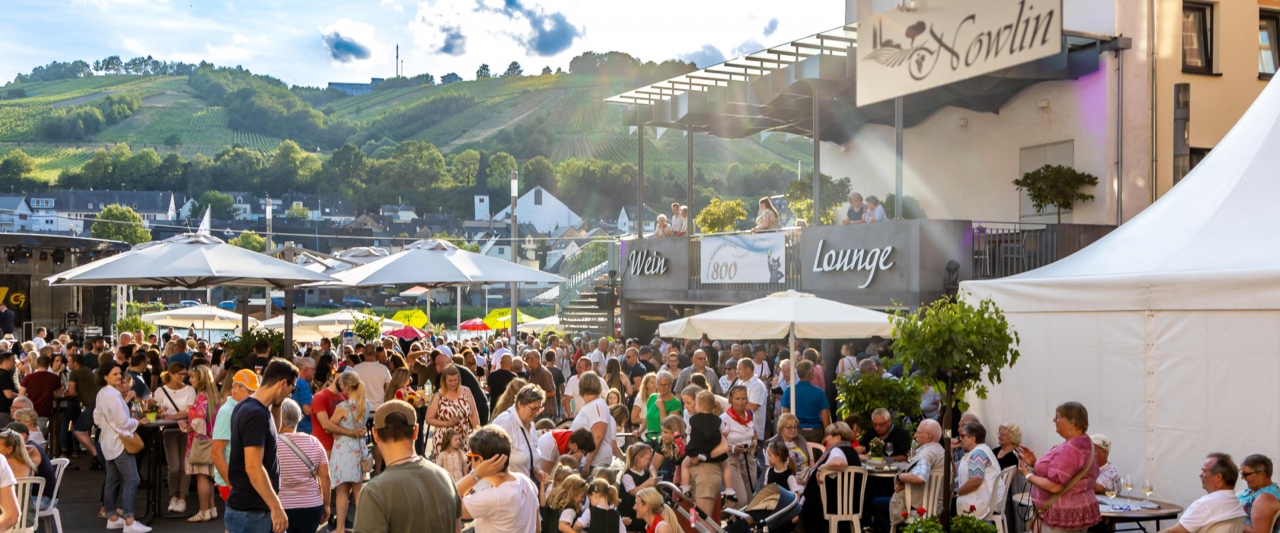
297	211
1057	186
483	72
501	165
958	347
134	323
720	216
16	166
834	193
538	171
546	71
513	70
910	207
250	241
872	391
173	140
456	241
219	205
120	223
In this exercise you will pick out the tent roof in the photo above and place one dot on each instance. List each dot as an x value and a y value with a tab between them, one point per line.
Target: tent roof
1209	243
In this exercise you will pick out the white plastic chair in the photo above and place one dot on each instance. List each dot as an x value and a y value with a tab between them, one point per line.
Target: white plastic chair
931	502
25	488
55	525
851	479
1233	525
999	494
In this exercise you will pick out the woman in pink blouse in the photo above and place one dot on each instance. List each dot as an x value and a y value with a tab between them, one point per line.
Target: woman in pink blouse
1065	506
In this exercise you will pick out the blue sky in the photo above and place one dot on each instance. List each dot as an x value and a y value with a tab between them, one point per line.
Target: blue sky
315	42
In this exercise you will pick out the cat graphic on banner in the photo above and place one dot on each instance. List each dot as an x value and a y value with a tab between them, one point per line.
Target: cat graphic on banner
746	258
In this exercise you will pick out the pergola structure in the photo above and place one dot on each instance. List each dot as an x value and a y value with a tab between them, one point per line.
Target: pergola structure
807	87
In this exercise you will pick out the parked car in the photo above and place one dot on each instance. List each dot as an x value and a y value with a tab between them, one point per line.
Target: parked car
356	303
188	303
395	301
329	305
422	301
229	305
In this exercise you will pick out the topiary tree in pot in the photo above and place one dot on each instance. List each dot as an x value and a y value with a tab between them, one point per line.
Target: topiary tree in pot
958	347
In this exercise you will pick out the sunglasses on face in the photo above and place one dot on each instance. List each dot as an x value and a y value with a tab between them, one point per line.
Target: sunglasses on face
474	457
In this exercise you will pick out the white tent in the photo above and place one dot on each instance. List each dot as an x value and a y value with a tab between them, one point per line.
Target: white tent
1167	329
329	323
202	316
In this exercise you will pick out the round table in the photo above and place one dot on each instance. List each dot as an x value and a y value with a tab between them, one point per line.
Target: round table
1111	518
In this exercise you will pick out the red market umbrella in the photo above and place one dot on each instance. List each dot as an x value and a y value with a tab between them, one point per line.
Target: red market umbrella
475	324
408	333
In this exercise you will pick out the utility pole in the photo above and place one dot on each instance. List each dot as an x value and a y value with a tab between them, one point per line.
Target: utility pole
515	250
397	61
288	256
267	291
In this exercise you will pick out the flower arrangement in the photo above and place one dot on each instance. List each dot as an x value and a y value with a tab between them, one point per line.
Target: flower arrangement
875	448
151	409
959	524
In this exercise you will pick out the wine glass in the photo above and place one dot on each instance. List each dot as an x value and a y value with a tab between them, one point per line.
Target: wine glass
1147	489
1126	482
888	451
1110	490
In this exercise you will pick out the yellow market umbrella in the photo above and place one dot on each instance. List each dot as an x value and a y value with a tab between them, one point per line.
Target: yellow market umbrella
501	318
415	318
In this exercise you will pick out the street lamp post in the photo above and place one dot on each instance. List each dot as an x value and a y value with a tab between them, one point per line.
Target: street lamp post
515	249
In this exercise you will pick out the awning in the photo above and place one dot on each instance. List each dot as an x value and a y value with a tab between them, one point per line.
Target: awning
771	90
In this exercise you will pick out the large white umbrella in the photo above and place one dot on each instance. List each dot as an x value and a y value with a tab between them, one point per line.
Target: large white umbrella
341	320
781	314
436	263
206	316
191	261
552	321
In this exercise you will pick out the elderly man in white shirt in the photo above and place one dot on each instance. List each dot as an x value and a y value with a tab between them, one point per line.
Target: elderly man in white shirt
1218	477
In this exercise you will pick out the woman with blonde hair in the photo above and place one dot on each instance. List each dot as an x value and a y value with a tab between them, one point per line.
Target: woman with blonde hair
660	517
199	430
648	387
453	407
346	473
175	400
508	397
398	387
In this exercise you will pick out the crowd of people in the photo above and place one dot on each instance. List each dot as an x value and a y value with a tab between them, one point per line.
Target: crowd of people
565	435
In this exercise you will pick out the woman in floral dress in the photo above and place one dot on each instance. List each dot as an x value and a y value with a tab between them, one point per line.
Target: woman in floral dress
453	408
202	414
345	473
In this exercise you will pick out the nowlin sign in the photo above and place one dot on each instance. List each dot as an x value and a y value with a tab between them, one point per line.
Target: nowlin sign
901	51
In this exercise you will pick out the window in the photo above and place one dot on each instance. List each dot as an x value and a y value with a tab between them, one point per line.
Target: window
1267	55
1197	38
502	250
90	205
537	196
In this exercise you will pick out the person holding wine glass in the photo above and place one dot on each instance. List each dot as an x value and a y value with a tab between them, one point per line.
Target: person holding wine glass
1063	479
1108	477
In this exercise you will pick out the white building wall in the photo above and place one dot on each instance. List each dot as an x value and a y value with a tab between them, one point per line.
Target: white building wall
960	164
551	214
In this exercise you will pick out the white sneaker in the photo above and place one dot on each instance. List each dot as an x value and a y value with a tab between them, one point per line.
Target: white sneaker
180	507
173	502
115	524
137	527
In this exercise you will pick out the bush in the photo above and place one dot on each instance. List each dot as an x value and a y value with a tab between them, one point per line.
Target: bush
959	524
134	323
870	392
242	347
137	309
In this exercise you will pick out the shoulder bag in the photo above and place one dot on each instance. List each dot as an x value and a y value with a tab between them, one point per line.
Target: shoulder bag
201	451
311	467
132	442
1038	520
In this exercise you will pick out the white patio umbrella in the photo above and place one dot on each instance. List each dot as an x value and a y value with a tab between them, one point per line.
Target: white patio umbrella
436	263
340	320
781	314
207	316
190	260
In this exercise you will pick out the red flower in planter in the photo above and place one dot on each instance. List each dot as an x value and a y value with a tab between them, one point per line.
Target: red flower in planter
973	508
904	514
920	511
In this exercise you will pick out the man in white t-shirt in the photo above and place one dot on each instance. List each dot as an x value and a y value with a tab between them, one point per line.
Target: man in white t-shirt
757	395
572	399
1218	478
510	504
599	357
500	349
374	376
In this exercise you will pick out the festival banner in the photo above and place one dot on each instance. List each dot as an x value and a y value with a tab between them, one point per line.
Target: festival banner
744	258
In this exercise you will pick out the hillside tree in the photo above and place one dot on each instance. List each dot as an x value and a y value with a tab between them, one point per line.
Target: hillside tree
297	211
249	241
513	70
483	72
546	71
538	171
220	206
120	223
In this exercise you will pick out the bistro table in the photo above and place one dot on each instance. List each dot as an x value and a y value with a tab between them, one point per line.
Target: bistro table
1111	517
154	448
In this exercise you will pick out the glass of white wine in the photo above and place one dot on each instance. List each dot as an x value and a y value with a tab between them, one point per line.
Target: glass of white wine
1110	490
1126	483
1147	489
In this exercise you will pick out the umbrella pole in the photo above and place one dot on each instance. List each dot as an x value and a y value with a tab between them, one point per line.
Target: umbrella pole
458	323
244	310
793	368
288	323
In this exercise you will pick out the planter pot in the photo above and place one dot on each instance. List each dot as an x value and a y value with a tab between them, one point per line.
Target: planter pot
151	416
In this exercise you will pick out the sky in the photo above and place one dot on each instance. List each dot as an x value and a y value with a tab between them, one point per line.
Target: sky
315	42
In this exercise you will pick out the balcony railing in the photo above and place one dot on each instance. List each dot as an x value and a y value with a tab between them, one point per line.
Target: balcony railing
1003	249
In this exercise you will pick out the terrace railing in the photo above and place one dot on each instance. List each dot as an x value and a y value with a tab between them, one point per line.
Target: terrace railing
1003	249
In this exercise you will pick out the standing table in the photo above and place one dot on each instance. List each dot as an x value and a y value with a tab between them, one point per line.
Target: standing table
152	434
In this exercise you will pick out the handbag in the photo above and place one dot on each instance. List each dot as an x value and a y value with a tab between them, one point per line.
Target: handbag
132	443
1037	522
201	451
311	467
366	460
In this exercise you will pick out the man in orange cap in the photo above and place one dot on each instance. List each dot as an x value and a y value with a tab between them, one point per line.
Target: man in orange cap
243	384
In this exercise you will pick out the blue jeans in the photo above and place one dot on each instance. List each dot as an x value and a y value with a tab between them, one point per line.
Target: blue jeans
122	469
304	520
247	521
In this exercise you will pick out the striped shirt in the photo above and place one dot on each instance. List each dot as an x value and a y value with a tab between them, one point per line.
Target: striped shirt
298	488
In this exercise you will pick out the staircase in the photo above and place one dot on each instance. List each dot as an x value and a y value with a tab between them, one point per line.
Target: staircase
584	270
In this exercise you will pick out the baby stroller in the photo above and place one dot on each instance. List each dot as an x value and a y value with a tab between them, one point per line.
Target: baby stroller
770	511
